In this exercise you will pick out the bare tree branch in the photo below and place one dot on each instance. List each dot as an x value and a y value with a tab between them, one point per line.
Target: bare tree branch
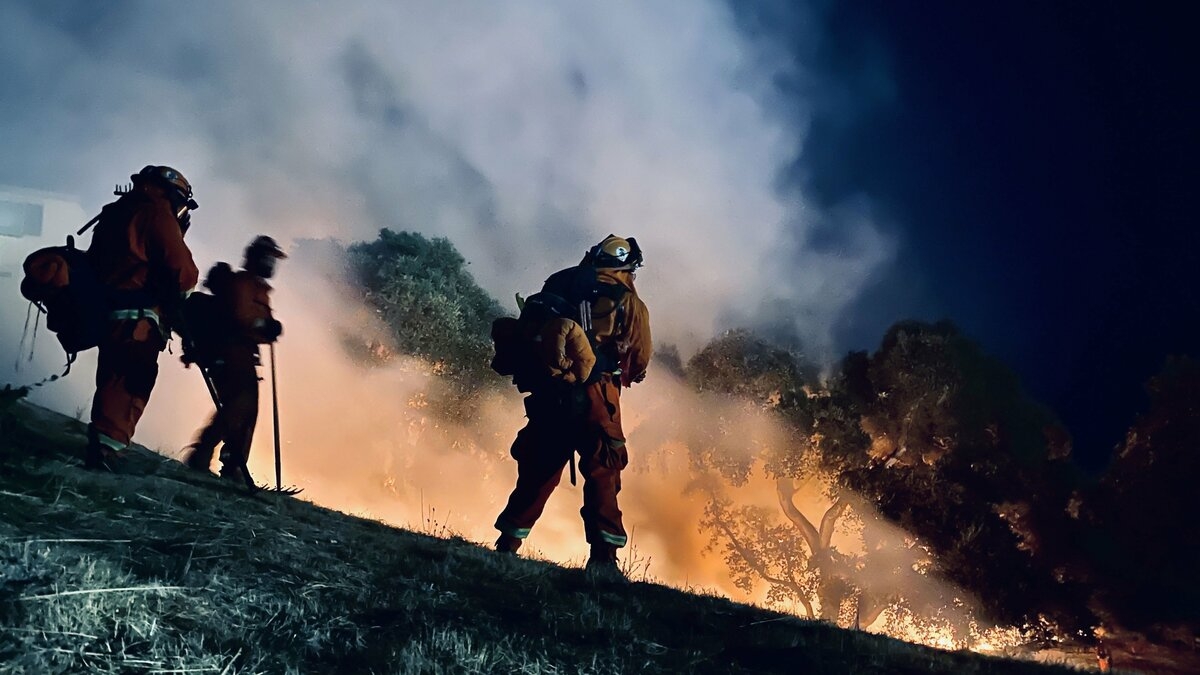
761	570
829	521
870	607
785	489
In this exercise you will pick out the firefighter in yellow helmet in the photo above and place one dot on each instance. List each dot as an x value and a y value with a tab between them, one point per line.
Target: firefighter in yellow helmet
139	255
568	417
243	311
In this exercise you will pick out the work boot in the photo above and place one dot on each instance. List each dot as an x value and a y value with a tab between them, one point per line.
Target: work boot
100	457
508	544
234	473
602	565
233	469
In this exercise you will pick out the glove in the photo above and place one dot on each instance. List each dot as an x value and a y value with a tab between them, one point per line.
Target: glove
187	358
272	330
174	318
191	353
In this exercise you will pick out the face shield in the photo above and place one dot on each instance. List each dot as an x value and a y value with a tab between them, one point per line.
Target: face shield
265	266
634	259
183	206
262	256
616	253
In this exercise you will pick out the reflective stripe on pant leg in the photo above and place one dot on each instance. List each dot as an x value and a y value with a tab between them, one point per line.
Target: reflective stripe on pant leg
603	456
616	540
511	530
602	520
110	442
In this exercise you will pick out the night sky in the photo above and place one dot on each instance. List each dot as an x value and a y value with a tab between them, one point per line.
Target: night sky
1036	162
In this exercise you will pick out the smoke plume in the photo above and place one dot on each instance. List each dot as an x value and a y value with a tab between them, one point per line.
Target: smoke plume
524	132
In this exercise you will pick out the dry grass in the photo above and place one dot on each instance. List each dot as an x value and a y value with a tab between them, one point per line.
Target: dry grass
165	571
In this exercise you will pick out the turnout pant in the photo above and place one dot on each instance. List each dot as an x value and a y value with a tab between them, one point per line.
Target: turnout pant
126	371
235	378
586	420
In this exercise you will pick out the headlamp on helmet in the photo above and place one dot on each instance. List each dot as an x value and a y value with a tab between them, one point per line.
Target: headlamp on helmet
616	253
176	188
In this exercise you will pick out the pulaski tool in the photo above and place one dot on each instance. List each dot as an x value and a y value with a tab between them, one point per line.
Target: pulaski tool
275	417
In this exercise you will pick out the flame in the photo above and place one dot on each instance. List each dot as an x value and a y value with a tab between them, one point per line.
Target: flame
366	442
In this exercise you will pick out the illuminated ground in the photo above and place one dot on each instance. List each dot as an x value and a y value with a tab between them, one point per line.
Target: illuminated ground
165	571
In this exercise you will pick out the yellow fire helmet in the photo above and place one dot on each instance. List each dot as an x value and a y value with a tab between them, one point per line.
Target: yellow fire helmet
616	253
169	179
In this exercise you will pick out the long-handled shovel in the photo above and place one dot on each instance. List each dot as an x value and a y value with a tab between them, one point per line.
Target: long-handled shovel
275	413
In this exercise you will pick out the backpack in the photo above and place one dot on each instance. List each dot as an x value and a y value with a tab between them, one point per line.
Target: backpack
62	283
554	340
206	317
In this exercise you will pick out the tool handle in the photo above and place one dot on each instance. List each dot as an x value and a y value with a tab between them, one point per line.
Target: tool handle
275	415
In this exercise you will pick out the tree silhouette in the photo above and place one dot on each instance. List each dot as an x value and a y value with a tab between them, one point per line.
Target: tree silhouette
962	459
418	299
797	557
421	289
928	432
1147	543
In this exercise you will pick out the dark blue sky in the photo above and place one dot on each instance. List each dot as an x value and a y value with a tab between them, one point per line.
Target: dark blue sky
1037	162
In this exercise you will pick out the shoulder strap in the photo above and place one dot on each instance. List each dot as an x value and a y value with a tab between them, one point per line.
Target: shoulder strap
580	286
575	284
614	292
112	210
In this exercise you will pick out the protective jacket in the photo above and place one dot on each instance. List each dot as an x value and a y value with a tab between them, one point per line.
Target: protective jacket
244	310
622	328
138	247
584	419
249	310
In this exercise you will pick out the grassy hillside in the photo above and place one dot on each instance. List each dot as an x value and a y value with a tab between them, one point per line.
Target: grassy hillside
166	571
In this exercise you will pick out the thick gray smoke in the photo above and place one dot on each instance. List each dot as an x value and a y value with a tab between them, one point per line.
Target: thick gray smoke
522	131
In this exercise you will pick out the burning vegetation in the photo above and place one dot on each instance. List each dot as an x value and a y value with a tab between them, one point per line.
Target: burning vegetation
164	570
915	491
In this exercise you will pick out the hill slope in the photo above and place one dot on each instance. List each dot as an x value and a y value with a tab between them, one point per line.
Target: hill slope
163	570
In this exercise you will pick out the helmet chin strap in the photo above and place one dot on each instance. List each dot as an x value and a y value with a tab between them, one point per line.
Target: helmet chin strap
184	217
184	206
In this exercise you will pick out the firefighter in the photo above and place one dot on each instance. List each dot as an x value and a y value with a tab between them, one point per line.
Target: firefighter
142	261
242	311
585	418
